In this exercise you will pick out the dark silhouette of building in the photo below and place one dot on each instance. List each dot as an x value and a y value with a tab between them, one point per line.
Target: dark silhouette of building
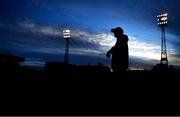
119	52
163	68
160	68
11	58
10	68
8	61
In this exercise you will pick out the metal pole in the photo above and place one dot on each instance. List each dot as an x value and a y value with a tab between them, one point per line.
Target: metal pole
66	56
163	47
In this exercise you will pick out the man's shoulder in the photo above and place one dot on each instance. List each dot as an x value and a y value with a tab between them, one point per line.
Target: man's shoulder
125	37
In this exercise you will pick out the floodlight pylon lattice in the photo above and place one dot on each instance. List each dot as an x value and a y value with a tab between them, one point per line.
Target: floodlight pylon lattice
162	22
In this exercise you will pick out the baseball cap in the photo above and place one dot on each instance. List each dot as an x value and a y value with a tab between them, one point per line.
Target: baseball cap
117	30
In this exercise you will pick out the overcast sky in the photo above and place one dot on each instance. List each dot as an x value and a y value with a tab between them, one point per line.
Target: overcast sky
33	28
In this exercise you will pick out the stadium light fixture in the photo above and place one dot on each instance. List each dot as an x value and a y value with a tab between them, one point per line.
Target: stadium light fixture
162	19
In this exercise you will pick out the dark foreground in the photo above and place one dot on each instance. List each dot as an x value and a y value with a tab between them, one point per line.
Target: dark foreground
26	91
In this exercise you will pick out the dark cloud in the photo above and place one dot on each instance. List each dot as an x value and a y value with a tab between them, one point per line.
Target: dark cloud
30	36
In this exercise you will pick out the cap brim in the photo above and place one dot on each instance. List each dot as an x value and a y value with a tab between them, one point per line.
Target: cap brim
113	30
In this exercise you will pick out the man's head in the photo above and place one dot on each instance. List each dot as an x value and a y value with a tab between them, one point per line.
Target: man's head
117	30
119	34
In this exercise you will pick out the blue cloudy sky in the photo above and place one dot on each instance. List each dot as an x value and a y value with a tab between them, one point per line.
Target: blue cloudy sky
33	29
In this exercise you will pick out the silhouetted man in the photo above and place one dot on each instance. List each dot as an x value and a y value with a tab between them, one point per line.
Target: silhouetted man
119	52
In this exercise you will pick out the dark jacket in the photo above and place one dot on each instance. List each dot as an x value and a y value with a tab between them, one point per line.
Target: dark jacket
120	54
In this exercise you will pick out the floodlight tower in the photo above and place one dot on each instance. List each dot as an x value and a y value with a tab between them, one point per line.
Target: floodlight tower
67	36
162	20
